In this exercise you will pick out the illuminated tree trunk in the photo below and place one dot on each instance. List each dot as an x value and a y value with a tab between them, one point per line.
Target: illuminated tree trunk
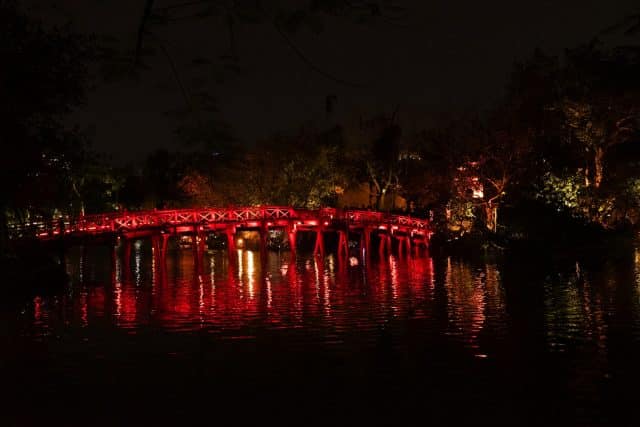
599	166
379	197
77	193
587	181
491	213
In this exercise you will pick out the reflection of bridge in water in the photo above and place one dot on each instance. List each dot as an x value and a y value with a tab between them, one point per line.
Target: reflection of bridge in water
160	225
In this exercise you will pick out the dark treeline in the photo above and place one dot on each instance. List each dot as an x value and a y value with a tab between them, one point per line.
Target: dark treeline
561	146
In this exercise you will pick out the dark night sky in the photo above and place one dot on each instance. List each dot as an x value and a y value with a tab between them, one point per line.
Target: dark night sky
447	55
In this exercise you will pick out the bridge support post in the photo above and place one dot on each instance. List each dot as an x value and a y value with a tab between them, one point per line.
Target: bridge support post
164	247
319	247
264	237
385	244
291	233
199	243
156	245
417	244
343	243
365	241
231	243
404	245
160	243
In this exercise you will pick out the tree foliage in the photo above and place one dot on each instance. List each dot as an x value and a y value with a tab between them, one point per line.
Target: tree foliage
43	78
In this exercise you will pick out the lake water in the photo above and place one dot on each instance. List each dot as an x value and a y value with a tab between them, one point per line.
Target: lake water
417	340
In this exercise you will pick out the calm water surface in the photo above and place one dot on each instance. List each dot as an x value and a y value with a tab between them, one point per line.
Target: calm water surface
414	340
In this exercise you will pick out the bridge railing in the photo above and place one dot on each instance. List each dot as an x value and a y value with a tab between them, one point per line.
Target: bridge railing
124	221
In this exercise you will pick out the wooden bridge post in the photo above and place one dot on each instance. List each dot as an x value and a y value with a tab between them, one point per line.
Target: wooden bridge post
156	245
160	242
264	235
291	233
231	241
343	243
319	246
385	244
199	243
164	247
366	232
404	245
416	244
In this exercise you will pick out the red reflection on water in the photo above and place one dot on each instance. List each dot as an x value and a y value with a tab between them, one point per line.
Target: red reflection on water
244	291
37	309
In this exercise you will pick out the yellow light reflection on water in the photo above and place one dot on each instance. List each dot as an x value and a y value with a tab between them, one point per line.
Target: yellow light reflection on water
138	262
251	273
393	267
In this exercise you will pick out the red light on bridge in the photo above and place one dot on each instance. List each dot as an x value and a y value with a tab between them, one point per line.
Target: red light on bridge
191	220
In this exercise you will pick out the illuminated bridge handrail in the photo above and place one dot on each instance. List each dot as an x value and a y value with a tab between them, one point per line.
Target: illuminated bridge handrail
125	221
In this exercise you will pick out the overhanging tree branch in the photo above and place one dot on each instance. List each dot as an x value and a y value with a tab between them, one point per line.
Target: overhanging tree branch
148	7
310	64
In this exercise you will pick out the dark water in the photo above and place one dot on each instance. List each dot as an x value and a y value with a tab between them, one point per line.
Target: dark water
527	340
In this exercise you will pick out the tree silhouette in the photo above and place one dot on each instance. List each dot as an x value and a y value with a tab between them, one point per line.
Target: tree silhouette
43	77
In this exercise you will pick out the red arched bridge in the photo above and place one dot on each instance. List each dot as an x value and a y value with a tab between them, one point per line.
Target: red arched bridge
198	222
